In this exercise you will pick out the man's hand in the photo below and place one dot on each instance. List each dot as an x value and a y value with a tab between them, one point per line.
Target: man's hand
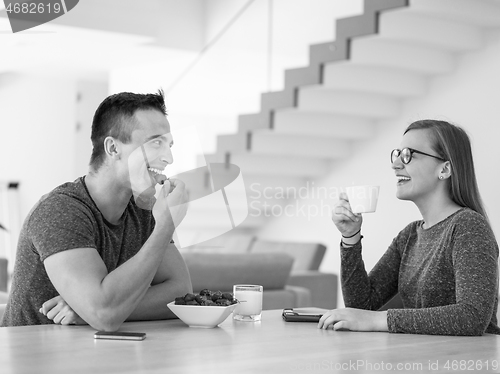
60	312
172	202
354	320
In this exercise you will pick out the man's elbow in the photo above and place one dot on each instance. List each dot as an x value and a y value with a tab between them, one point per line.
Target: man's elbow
105	318
103	322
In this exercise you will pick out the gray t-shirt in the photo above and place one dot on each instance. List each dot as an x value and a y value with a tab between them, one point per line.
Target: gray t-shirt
447	277
65	219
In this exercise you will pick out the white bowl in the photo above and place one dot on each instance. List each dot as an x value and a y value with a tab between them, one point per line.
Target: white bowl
201	316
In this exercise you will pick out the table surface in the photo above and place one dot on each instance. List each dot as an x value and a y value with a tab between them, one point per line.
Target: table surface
268	346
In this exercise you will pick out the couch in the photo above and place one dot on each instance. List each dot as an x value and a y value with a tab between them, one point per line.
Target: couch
305	271
289	271
220	271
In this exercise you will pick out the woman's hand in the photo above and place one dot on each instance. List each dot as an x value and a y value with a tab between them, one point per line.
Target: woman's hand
346	221
354	320
60	312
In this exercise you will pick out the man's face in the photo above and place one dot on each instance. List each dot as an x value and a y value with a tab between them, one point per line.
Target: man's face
148	155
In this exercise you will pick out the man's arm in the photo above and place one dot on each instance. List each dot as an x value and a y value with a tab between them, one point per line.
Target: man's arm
104	300
171	280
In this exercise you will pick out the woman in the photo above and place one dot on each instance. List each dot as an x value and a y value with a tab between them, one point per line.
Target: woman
445	267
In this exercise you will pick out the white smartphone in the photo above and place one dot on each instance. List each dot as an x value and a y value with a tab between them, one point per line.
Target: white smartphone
120	335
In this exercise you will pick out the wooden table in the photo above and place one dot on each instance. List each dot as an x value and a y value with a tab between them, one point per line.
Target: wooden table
269	346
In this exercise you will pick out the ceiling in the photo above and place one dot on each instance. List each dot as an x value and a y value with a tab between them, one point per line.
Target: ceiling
98	35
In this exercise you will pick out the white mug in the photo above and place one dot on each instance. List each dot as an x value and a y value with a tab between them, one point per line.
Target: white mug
363	199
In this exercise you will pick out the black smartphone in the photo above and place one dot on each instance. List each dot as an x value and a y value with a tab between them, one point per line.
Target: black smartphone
120	335
290	315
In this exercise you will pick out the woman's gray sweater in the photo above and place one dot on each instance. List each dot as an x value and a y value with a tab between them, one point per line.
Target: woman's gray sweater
446	275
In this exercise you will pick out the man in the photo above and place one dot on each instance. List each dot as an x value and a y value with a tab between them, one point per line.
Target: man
92	251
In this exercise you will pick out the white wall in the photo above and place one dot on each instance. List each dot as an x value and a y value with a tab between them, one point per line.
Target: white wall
37	127
37	144
88	97
468	97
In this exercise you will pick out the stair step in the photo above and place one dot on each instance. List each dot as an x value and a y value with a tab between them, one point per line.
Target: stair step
373	51
256	185
210	219
273	165
270	142
247	122
321	53
382	80
360	104
482	13
267	186
232	142
265	200
410	26
283	165
294	121
355	26
279	99
258	202
210	239
203	180
298	77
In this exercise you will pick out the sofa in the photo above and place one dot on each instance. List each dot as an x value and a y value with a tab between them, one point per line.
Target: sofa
288	271
220	271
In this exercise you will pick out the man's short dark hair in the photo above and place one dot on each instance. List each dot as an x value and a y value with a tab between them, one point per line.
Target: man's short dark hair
113	118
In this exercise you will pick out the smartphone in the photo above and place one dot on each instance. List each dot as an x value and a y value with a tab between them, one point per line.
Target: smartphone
120	335
289	315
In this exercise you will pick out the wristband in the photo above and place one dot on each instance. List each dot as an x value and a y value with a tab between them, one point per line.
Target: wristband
345	245
353	235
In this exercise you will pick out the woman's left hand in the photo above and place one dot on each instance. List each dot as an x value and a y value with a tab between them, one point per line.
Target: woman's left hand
354	320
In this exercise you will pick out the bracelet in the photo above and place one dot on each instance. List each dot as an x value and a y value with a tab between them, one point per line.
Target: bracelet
353	235
345	245
342	244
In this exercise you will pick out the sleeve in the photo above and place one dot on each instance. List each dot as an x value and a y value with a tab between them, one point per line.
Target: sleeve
59	223
475	267
369	291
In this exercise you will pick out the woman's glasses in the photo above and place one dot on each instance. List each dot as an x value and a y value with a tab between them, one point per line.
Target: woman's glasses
407	153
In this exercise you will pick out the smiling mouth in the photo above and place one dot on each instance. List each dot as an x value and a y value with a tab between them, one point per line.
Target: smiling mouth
158	175
402	179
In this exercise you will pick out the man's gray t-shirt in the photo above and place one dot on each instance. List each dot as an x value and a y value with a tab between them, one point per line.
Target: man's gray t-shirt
65	219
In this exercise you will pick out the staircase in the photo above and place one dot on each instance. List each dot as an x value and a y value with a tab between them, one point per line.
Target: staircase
379	59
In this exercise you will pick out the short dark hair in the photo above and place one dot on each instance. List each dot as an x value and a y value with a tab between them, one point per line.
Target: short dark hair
112	118
452	143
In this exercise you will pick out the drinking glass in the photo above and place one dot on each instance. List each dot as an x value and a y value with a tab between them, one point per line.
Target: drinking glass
249	306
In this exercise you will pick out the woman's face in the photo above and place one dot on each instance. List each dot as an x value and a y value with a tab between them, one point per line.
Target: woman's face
418	179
